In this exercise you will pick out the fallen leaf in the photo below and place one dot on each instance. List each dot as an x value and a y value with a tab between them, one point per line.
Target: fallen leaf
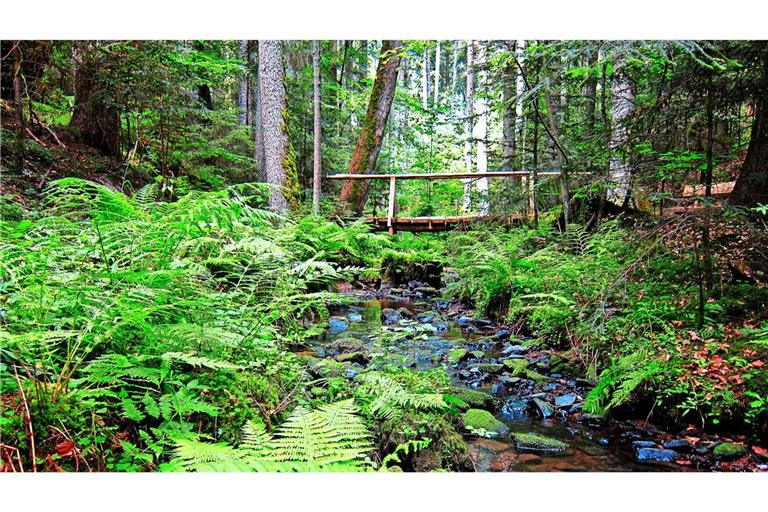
66	448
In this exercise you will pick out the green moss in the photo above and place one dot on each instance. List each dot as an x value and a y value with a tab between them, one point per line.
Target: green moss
729	451
488	367
530	442
473	398
481	419
456	355
477	353
518	366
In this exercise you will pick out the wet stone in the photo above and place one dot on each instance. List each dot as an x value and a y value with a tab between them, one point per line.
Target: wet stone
425	317
515	349
680	445
542	408
564	401
653	455
390	316
537	443
337	324
643	444
464	320
498	389
515	408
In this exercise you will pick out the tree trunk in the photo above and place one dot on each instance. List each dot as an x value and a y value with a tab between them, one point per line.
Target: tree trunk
480	130
258	137
425	79
242	94
273	125
469	94
95	120
622	103
18	106
368	146
752	184
590	96
316	161
509	95
437	74
454	66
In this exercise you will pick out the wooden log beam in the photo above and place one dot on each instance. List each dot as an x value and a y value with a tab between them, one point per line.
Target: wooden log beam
443	175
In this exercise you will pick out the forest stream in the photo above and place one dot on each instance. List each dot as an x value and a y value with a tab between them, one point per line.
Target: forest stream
428	331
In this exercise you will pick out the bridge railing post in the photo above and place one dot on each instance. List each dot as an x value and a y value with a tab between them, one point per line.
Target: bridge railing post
392	206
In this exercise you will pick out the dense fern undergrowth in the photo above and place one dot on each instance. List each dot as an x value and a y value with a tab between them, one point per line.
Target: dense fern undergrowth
140	334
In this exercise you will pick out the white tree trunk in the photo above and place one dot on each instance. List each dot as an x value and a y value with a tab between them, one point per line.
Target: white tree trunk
480	131
272	95
466	199
317	156
437	74
622	103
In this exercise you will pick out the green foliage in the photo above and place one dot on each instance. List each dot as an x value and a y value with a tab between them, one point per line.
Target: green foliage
331	438
619	381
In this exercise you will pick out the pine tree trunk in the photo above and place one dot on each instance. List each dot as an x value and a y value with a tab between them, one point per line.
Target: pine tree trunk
95	120
273	126
258	137
242	95
354	192
752	184
454	66
18	106
469	93
317	159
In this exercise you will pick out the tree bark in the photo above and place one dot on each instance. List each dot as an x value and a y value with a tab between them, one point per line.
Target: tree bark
619	173
454	66
480	130
96	119
368	146
258	137
317	158
590	96
18	106
437	74
425	80
509	95
242	94
469	93
751	186
273	124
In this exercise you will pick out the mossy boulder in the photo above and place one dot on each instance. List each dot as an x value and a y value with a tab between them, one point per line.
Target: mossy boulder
476	399
729	451
354	357
317	391
477	353
516	365
488	367
530	442
325	368
457	355
479	419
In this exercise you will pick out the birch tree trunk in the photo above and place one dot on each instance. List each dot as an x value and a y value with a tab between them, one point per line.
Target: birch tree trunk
242	94
622	96
469	93
368	146
317	158
437	74
273	128
480	131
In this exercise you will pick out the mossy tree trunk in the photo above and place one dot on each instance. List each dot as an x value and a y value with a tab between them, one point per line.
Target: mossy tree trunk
354	192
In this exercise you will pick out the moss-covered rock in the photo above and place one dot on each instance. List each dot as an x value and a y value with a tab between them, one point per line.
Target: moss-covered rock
477	353
456	355
536	443
488	367
317	391
516	365
474	398
401	267
354	357
325	367
479	419
729	451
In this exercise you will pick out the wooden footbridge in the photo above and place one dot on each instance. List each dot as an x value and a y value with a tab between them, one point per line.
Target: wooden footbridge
393	223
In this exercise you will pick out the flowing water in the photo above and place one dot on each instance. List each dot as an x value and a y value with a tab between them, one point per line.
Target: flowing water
593	445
